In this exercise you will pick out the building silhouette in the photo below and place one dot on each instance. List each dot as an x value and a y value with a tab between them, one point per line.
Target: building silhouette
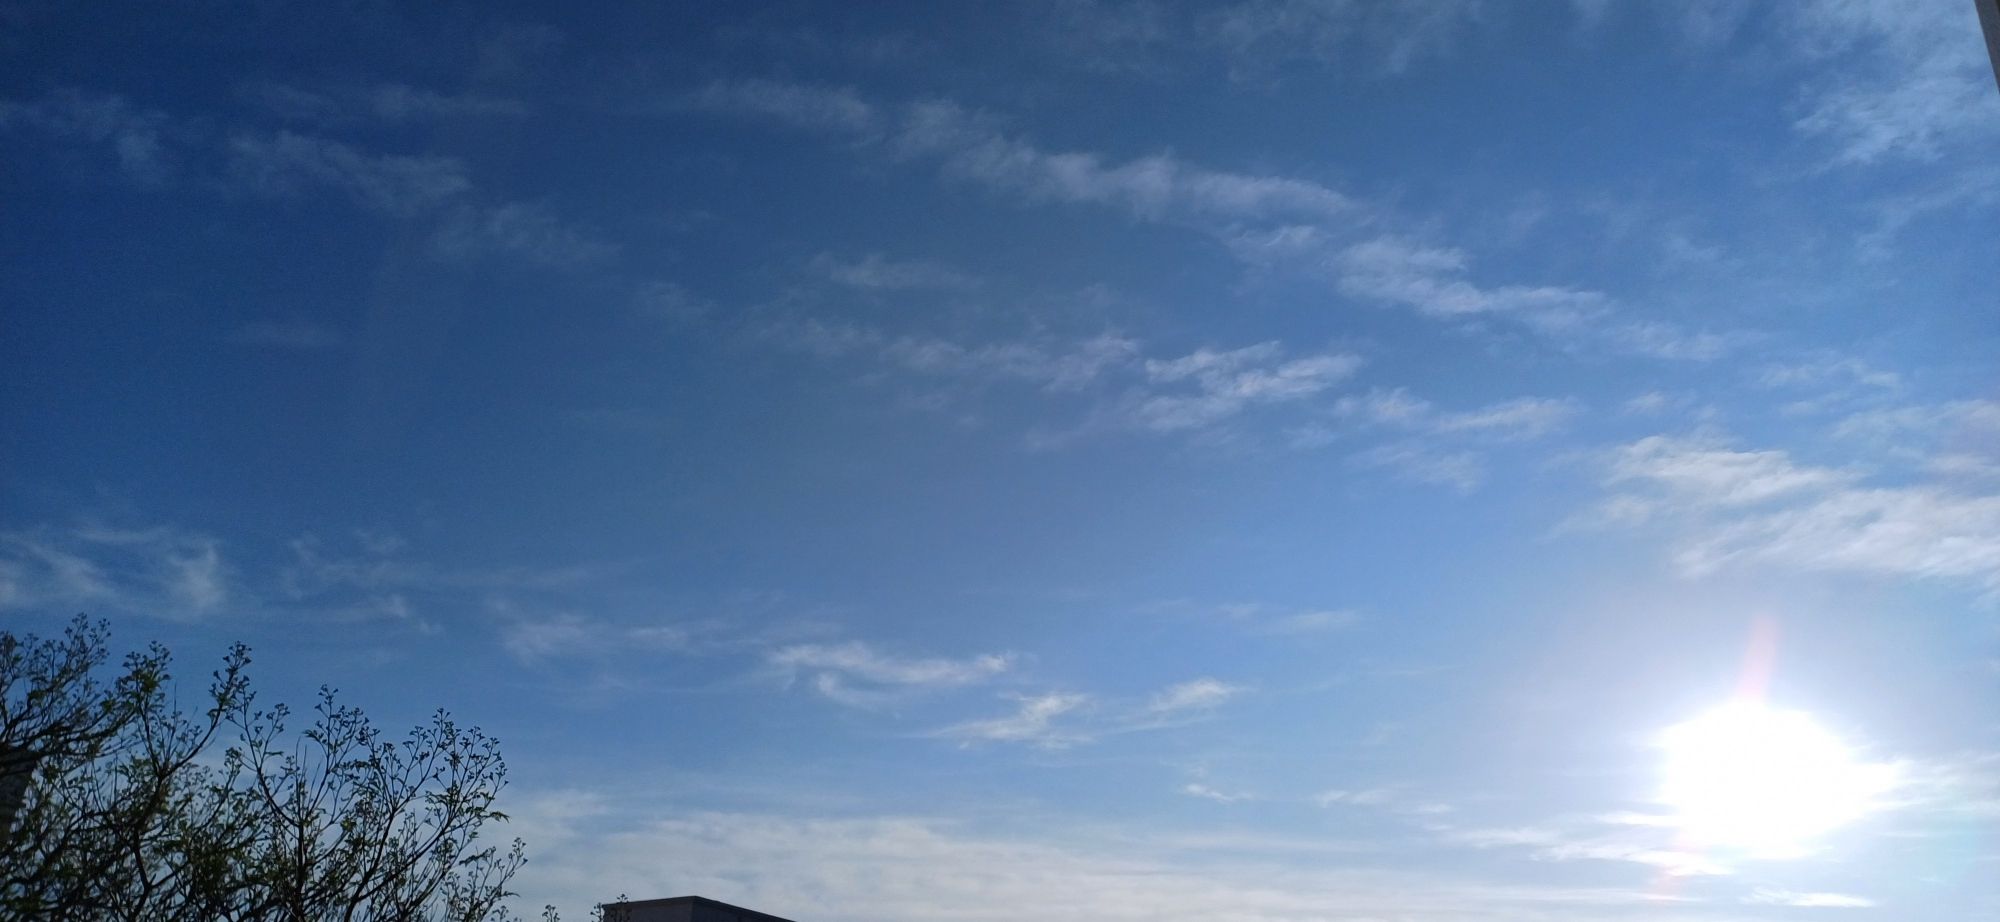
683	909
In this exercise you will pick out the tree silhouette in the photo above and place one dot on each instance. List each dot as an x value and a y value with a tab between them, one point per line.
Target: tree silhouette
116	804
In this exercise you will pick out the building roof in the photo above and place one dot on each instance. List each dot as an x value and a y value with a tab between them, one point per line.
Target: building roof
746	915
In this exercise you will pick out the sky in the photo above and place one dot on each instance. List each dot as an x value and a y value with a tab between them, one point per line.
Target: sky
1264	460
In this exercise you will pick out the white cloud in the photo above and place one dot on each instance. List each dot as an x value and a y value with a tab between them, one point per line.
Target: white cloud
921	869
150	145
1521	417
1435	281
1416	462
1431	280
1155	187
1515	418
143	140
1368	797
287	164
390	102
1662	340
1767	896
1201	390
1034	722
1060	719
1828	370
1733	506
1197	695
371	576
1261	39
805	106
1650	846
1891	80
1652	403
567	635
1904	80
1973	419
671	302
1709	473
1227	383
1051	364
524	230
856	674
1265	220
1268	619
151	571
1203	791
1393	36
875	272
397	102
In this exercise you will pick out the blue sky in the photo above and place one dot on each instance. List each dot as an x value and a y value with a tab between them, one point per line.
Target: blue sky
1272	460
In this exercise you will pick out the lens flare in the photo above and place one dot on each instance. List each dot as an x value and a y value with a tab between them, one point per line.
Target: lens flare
1764	781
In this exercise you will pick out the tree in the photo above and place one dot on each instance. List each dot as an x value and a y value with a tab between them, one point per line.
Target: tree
124	809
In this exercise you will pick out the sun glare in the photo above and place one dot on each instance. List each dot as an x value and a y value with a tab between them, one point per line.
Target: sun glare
1765	781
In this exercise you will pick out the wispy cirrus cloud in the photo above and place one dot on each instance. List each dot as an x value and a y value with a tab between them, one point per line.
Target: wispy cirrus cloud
859	675
1828	370
1512	419
830	867
1431	280
567	635
1268	33
520	230
864	662
876	272
1266	220
1426	464
1889	81
1715	475
1055	720
972	146
1365	797
1128	389
1046	362
1631	845
1912	81
1208	792
1436	447
374	576
286	164
1970	418
1952	440
1436	281
387	102
1207	386
1284	620
825	108
151	571
1771	896
1728	506
147	143
1201	694
1037	720
1263	39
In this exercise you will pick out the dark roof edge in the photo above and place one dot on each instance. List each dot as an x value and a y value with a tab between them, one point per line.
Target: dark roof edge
691	898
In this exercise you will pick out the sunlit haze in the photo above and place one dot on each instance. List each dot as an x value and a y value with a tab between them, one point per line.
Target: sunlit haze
1767	781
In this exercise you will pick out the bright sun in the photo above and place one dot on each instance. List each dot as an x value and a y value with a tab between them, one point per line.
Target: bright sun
1749	777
